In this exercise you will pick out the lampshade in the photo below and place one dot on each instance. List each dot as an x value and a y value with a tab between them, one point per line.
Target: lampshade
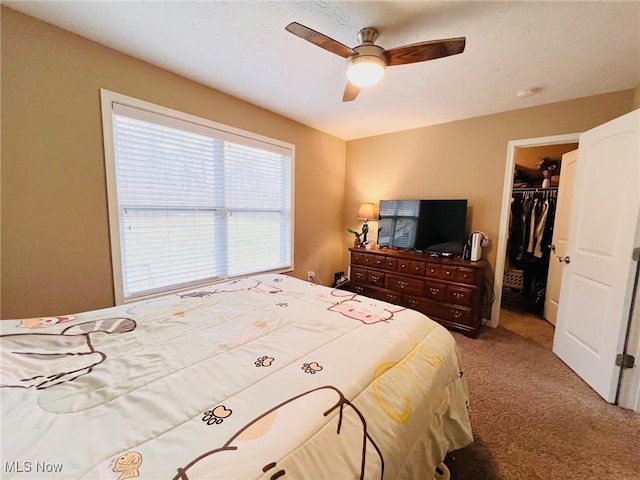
366	212
365	70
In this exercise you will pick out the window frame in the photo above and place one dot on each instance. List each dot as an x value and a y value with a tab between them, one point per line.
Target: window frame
224	132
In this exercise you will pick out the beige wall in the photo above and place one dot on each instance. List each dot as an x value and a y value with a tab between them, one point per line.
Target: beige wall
55	236
464	159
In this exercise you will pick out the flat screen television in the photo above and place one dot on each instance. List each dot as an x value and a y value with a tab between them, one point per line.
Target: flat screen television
432	226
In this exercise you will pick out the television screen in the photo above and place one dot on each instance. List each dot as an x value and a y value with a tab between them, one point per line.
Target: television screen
436	226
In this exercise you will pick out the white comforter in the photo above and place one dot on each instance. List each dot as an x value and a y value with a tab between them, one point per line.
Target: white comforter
265	377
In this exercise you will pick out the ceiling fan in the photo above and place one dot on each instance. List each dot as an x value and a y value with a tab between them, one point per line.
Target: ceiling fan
367	62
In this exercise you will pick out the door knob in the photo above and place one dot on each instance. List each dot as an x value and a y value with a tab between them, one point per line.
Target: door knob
564	259
552	247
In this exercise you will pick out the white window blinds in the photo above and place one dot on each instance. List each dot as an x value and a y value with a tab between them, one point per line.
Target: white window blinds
196	203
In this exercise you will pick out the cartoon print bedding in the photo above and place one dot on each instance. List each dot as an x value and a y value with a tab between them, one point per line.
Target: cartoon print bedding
265	377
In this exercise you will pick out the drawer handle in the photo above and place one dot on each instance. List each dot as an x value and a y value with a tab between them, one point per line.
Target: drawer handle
456	313
358	289
413	303
434	291
432	270
375	278
402	284
391	296
378	262
359	275
458	295
447	272
403	265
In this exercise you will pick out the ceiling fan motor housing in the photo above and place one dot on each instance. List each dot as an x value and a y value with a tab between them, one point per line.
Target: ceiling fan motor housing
369	51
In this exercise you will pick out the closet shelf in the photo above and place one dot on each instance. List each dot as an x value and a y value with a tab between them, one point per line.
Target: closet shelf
535	189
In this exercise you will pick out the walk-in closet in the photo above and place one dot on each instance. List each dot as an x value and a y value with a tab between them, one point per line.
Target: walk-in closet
533	209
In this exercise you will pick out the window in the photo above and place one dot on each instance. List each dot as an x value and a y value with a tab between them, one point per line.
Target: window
191	201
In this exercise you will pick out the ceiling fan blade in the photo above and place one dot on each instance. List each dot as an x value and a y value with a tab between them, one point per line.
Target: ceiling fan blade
320	40
350	92
420	52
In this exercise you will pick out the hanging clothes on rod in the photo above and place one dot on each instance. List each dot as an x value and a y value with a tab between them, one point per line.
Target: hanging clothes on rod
531	222
530	233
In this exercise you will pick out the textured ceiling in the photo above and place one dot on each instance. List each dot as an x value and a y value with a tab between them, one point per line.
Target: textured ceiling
565	49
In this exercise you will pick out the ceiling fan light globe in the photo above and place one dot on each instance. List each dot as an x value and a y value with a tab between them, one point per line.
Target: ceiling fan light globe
365	70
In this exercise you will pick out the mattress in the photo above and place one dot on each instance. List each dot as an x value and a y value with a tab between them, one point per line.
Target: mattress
263	377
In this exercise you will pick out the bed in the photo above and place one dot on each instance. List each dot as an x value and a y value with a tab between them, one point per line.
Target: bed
264	377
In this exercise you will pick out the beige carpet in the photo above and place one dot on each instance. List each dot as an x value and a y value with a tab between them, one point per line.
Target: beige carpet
533	418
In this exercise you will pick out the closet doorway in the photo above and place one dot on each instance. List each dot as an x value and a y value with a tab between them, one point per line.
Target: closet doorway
521	268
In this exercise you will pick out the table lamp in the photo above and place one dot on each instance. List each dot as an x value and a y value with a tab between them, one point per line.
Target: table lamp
366	213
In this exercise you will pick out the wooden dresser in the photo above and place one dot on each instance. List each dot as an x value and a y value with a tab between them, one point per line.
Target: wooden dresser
448	290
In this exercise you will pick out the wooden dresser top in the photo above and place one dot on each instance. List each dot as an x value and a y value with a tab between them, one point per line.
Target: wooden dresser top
420	256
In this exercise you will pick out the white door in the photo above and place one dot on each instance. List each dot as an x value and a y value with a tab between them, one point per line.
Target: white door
597	281
560	234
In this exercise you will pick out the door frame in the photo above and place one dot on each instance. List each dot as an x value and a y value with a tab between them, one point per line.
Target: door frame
629	395
503	229
629	388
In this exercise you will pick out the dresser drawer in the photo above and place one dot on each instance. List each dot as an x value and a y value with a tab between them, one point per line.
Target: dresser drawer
435	290
362	289
465	275
378	261
447	272
432	270
404	284
460	295
450	314
356	258
390	263
417	268
389	296
358	275
368	260
456	314
415	303
375	278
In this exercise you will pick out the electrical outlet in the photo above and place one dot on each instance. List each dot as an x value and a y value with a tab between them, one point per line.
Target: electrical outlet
310	275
